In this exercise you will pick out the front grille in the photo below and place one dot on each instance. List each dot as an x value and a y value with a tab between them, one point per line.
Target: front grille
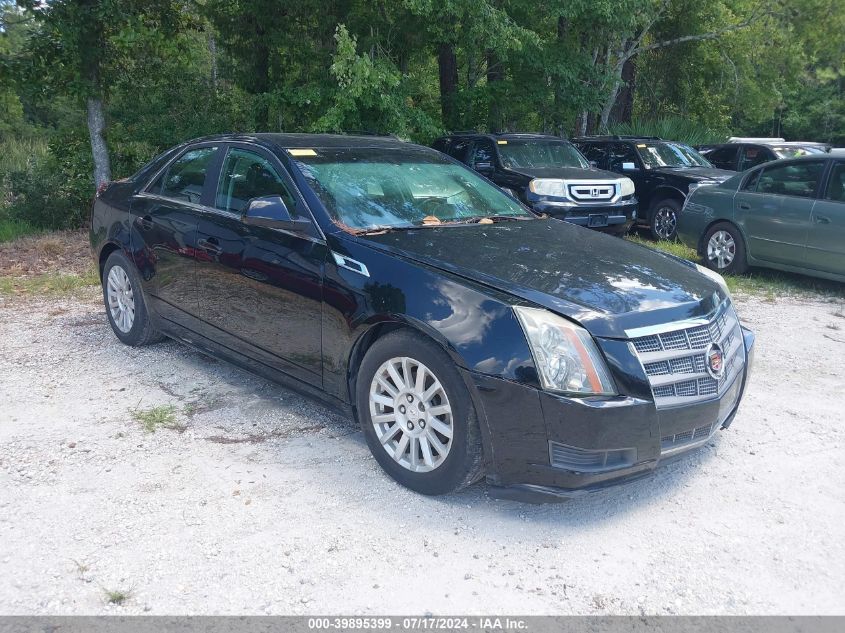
585	460
675	363
691	436
592	191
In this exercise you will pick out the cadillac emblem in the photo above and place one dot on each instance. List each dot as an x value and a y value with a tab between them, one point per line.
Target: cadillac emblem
715	360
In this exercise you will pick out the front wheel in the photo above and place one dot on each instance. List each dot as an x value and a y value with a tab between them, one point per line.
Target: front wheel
417	415
724	249
664	219
125	304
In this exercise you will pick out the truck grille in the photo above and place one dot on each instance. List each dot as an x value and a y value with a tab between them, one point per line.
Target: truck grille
592	191
674	360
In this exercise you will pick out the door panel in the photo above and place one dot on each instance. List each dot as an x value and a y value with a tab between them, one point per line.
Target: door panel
826	239
775	211
260	289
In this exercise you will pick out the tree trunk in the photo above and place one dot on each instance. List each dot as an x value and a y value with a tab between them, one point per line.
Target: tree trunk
494	76
212	49
99	150
557	114
447	64
623	109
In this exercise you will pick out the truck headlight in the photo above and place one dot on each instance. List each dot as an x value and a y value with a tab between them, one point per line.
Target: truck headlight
626	187
555	187
566	356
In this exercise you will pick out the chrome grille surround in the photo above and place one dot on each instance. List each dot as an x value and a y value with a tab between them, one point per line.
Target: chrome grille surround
673	357
592	191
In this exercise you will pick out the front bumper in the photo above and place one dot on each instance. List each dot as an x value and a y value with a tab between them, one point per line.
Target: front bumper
546	447
616	218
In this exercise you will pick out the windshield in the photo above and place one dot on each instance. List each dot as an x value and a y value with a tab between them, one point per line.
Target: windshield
370	188
531	154
670	155
795	152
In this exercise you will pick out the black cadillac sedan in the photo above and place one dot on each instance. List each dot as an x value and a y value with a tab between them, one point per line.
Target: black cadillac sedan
468	337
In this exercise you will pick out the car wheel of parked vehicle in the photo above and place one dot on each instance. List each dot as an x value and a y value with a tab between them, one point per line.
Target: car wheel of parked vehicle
125	305
724	250
664	219
417	416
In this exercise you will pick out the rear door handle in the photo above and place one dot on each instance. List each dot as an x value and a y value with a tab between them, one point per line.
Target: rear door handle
744	206
822	219
146	222
210	245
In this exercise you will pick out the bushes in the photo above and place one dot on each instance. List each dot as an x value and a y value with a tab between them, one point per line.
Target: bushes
672	129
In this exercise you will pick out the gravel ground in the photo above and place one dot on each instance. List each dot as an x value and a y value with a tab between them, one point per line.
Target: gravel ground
261	501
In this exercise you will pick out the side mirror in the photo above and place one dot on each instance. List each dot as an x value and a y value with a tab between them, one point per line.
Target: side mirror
593	163
510	192
271	212
484	168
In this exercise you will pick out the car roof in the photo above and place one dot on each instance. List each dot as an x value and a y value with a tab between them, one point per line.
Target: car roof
504	135
301	141
620	137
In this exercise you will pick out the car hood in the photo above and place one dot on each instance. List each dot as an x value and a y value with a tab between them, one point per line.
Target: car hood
572	173
606	283
699	173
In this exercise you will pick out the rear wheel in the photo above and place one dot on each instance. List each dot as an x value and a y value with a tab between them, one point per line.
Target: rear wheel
417	415
724	249
664	219
125	305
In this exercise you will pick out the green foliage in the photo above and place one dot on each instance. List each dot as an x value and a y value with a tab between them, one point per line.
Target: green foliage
671	128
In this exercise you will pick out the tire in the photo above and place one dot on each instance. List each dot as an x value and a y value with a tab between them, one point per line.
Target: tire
125	304
724	249
457	462
664	219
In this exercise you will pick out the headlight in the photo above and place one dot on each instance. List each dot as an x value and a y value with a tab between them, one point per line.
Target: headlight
548	187
715	277
626	187
566	356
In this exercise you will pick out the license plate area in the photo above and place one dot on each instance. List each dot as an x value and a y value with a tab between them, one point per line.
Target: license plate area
597	219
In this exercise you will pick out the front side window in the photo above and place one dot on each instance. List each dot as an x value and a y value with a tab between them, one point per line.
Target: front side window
594	153
663	154
247	175
367	188
538	154
185	178
751	181
836	184
619	154
797	179
482	154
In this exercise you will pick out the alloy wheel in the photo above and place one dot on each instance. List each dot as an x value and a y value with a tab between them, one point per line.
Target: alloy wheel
411	414
121	299
721	249
665	222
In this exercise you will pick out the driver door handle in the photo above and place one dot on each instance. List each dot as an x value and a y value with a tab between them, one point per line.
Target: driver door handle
744	206
822	219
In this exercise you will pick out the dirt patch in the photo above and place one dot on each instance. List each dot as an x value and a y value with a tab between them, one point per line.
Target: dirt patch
64	252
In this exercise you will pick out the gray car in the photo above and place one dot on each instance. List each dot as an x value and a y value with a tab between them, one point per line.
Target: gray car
786	214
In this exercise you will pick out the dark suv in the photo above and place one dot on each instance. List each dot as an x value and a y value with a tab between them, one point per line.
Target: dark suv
742	155
662	172
549	175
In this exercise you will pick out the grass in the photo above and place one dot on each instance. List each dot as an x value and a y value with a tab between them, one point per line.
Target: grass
47	284
117	596
161	417
13	229
758	282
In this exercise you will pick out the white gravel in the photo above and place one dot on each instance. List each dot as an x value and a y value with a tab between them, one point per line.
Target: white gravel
266	502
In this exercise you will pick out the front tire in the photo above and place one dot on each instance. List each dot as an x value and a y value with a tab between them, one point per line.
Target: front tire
126	307
417	415
664	219
724	249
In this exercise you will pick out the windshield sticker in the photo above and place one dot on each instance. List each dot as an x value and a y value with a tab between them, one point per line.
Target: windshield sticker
302	152
642	145
502	142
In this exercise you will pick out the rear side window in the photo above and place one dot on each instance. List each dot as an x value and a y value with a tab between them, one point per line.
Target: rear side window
797	179
724	157
621	153
185	177
482	154
458	149
836	184
594	153
753	156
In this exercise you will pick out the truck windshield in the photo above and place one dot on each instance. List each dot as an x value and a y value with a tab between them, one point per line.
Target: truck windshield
795	152
532	154
663	154
386	188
